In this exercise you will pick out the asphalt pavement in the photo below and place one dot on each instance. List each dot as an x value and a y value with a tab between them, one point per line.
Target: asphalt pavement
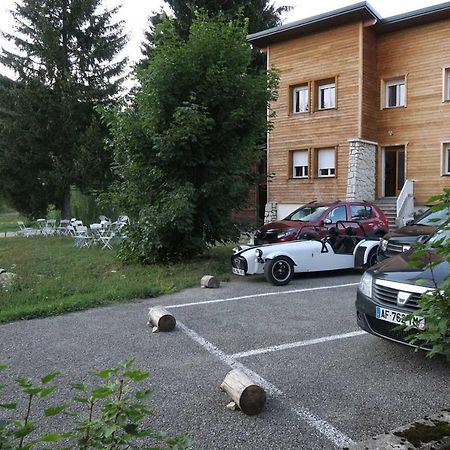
328	383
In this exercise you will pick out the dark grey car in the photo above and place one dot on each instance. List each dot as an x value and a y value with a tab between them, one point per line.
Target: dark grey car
400	240
390	290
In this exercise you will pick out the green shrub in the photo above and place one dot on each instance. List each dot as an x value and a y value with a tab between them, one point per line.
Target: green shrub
112	414
434	305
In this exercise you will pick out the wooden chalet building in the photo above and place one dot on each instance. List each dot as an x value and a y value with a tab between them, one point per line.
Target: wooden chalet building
364	108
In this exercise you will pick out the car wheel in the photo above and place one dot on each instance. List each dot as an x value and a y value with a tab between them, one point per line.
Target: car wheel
279	271
372	259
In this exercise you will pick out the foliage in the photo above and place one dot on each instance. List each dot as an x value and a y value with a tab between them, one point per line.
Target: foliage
183	149
55	278
261	14
112	416
50	135
434	305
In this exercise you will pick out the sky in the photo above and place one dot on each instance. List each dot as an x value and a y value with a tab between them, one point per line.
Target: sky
136	12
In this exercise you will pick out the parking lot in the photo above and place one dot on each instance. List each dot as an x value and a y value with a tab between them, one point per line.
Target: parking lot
328	383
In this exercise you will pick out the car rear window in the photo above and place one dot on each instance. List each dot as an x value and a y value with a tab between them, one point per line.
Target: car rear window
307	213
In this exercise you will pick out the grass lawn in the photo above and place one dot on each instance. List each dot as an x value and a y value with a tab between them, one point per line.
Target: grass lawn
8	221
55	277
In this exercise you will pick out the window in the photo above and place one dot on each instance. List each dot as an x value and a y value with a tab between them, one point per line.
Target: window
447	84
326	94
446	160
326	162
360	212
300	100
300	164
395	93
337	214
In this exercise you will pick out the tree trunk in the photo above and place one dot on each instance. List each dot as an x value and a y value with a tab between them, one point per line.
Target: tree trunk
161	319
66	210
248	396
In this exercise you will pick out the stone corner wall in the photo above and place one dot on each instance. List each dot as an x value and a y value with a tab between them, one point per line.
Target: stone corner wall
270	212
361	170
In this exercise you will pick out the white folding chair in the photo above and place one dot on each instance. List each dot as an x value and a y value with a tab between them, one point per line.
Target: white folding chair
82	237
25	231
41	225
50	227
63	229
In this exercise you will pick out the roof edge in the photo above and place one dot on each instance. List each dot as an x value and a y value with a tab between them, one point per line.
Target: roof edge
361	6
353	12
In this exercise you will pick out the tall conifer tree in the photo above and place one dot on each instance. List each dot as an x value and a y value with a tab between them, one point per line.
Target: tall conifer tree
66	62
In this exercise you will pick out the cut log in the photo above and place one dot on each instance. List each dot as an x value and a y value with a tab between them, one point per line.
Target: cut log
210	281
160	318
248	396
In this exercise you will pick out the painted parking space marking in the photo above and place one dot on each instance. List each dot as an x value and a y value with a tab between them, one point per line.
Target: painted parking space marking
277	348
338	438
265	294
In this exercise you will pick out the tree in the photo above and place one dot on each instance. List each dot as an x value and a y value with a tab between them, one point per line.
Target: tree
182	150
261	14
66	64
25	166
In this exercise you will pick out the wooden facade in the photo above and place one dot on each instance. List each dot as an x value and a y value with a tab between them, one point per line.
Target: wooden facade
361	58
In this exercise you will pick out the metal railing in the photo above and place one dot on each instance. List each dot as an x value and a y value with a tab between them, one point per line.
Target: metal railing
405	203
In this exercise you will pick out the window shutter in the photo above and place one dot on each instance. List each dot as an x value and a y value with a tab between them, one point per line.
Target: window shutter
326	158
300	158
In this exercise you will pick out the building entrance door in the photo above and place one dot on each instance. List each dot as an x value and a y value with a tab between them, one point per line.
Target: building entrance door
394	170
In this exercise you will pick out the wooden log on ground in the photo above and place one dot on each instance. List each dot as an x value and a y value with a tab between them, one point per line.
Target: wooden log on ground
248	396
209	281
161	319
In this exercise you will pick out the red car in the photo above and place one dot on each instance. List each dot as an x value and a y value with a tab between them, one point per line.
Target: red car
315	219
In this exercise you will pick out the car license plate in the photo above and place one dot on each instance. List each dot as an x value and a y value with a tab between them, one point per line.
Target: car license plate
237	271
398	317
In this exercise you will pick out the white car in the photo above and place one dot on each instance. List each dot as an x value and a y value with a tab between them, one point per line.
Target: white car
279	262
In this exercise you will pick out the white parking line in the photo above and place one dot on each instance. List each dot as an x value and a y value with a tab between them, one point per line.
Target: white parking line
276	348
265	294
338	438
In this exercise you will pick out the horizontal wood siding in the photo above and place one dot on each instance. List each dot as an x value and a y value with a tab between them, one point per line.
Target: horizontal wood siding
332	53
370	105
419	53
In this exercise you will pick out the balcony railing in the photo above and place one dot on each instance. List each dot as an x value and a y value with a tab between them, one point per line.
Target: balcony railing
405	204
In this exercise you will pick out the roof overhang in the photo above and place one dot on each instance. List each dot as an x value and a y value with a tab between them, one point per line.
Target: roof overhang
358	12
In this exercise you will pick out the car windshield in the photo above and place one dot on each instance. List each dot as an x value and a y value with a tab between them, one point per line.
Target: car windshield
433	218
441	237
307	213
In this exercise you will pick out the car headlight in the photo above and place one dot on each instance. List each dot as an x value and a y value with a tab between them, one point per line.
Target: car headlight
365	285
406	248
383	244
287	233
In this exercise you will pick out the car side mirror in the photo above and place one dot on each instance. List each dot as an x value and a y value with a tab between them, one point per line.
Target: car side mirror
327	221
409	222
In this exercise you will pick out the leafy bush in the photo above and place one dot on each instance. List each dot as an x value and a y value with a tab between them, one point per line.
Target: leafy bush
434	305
185	142
112	416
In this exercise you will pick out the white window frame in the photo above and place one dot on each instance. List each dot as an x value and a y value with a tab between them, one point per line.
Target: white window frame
398	82
299	89
323	87
446	84
445	158
327	171
304	169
